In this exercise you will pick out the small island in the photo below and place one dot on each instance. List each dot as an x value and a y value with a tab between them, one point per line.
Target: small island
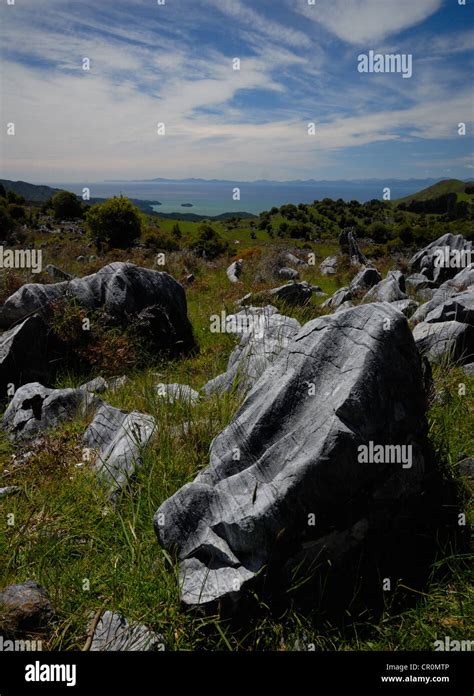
186	205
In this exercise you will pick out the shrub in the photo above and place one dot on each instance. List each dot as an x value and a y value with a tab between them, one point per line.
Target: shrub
209	244
378	232
66	205
7	223
16	212
115	223
176	231
160	240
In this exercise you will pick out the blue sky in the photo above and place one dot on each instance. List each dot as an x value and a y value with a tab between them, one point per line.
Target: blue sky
173	64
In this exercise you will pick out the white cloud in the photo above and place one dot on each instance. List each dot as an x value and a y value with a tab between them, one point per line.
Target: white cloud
362	21
254	21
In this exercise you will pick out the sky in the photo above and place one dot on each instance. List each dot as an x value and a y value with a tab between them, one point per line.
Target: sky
174	63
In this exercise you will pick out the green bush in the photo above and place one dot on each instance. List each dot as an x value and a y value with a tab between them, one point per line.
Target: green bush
7	224
378	232
66	205
117	223
16	212
209	244
159	240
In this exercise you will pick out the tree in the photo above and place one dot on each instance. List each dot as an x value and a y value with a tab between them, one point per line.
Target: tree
66	205
209	243
378	232
176	231
115	223
3	193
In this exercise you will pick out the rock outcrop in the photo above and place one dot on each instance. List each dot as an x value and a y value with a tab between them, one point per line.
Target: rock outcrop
23	354
36	409
443	258
124	292
119	438
264	333
339	386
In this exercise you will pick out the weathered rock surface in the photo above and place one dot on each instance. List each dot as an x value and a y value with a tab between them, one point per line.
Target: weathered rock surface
340	384
407	307
293	260
25	607
365	279
9	490
349	245
234	271
345	305
177	392
418	281
449	340
123	291
114	632
264	334
437	261
293	293
340	297
23	354
98	385
288	273
391	289
57	273
120	438
329	265
35	409
459	307
461	281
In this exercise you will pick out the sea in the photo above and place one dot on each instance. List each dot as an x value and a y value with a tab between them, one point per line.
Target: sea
212	198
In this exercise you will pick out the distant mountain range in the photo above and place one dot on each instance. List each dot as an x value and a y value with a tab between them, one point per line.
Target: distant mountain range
291	182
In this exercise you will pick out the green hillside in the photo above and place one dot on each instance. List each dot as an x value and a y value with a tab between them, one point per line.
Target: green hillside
442	187
32	192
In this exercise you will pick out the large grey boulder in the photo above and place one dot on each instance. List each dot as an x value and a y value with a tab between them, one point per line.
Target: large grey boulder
329	265
124	291
461	281
113	632
35	409
25	607
293	451
457	308
443	258
234	271
365	279
120	438
448	340
23	354
391	289
264	333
